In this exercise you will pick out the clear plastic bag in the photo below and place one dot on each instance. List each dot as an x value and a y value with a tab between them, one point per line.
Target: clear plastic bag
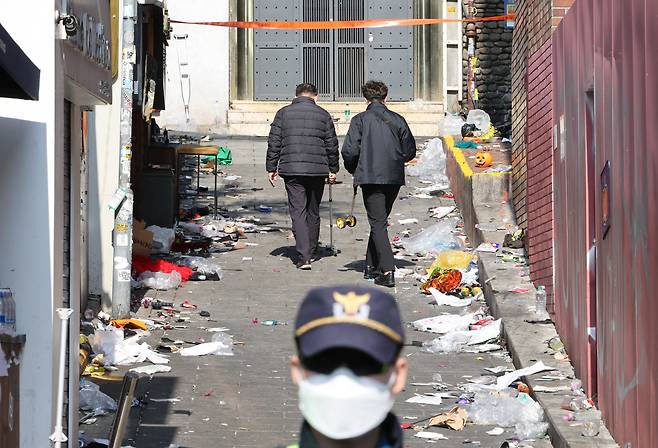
431	165
160	280
163	238
207	266
521	412
221	345
451	125
479	118
92	399
435	239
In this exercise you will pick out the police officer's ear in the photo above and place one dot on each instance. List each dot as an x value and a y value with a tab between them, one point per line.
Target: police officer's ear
401	369
296	370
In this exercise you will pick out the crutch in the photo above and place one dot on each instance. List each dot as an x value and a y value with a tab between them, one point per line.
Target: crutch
331	247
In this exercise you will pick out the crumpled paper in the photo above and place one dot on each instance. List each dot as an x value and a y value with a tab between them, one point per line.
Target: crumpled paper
454	419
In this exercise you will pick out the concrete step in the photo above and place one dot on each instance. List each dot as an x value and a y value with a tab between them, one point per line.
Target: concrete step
332	106
241	116
253	118
427	129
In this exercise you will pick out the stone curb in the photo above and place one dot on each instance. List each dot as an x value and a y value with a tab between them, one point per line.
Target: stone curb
484	199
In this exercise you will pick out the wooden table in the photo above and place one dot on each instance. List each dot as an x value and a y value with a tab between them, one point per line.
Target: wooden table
198	151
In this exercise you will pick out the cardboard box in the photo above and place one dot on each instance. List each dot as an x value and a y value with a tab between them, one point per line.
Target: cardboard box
142	239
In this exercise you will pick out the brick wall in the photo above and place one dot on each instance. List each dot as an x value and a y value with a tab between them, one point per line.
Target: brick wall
532	30
539	193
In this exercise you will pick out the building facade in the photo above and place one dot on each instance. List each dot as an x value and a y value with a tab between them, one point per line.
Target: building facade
232	81
43	184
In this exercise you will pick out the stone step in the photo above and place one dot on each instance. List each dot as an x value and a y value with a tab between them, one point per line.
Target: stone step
243	116
353	106
426	129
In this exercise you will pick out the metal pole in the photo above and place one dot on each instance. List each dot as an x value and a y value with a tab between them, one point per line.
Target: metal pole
123	220
58	435
123	412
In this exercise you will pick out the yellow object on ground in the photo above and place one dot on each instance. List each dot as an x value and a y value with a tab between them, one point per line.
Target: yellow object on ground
451	259
130	323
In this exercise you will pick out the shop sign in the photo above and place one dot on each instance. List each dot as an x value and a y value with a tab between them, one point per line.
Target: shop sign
92	41
89	50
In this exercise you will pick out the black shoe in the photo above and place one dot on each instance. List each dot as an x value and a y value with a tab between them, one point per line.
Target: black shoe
370	273
387	280
304	265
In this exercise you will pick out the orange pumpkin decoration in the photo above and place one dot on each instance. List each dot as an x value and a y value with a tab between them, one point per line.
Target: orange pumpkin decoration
483	159
445	281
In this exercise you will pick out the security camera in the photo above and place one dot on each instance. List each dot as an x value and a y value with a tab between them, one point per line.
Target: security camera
71	24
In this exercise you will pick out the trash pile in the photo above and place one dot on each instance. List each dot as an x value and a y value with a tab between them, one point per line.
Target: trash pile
450	277
108	347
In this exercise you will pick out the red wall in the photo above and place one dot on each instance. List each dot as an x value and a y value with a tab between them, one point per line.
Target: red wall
609	47
539	196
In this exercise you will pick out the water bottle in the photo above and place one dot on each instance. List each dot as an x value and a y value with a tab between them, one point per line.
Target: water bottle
10	310
540	300
3	325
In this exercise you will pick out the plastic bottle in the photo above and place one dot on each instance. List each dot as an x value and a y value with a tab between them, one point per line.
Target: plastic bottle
10	310
540	300
3	325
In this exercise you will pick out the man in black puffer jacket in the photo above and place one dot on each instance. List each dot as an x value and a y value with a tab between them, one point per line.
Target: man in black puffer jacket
377	145
303	149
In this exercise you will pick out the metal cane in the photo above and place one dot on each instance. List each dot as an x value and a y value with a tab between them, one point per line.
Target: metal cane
334	252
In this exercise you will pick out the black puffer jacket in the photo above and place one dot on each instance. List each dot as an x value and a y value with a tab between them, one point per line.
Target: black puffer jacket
302	141
377	145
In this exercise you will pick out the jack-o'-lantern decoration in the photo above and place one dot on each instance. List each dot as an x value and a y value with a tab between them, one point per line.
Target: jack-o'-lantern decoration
483	159
443	280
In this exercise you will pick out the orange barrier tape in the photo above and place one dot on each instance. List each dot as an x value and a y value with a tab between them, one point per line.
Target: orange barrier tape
339	24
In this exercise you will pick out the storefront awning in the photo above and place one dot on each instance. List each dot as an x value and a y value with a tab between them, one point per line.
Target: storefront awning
19	77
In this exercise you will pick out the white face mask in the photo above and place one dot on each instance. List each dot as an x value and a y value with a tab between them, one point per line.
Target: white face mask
343	405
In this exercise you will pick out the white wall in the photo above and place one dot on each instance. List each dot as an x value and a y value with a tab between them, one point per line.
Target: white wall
103	172
208	59
30	263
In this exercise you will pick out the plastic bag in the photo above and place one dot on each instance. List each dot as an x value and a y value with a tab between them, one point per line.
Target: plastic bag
506	411
531	430
458	340
445	323
221	345
451	259
120	351
160	280
451	125
92	399
431	165
479	118
436	238
207	266
163	238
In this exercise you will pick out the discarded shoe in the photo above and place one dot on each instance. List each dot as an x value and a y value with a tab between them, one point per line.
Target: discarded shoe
387	279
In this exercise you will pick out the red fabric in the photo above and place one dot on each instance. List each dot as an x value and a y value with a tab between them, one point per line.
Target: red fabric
143	264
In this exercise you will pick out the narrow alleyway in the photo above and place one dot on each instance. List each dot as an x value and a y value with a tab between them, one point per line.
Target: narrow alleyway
247	400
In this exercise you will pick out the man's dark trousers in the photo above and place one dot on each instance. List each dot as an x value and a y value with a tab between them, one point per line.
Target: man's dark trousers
304	197
378	200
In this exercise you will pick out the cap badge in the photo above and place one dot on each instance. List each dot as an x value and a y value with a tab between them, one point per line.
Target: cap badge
352	305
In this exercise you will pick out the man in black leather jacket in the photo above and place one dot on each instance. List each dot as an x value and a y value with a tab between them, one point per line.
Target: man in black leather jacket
303	149
376	148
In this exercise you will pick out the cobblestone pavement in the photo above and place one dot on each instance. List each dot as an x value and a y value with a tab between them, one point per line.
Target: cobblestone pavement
248	400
